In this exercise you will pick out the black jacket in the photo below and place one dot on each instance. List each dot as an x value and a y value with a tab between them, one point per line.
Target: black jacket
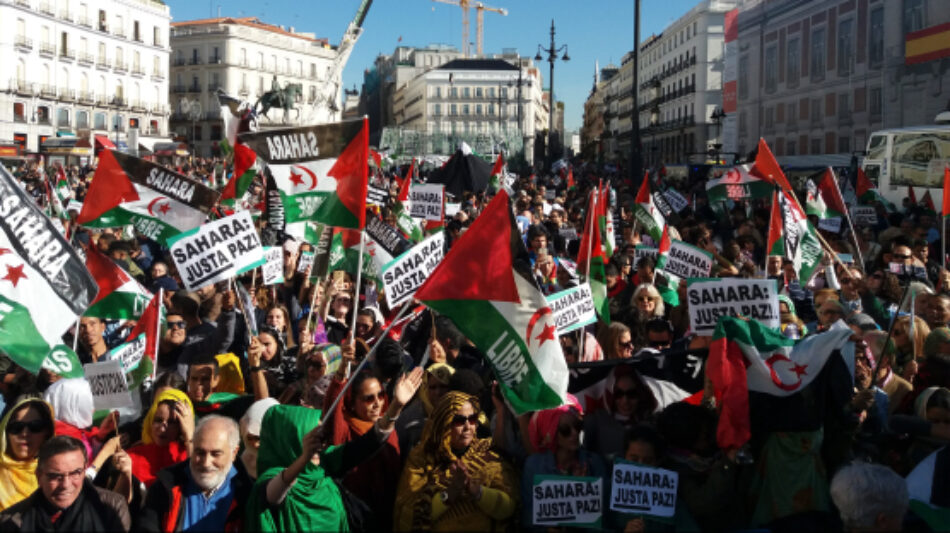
95	509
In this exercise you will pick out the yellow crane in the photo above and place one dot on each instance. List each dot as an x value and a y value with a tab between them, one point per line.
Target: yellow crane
480	9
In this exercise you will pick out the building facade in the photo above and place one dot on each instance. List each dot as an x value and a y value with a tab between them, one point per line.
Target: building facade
816	78
94	69
244	57
593	140
681	81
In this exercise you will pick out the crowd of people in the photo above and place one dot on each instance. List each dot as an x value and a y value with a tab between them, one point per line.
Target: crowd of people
285	431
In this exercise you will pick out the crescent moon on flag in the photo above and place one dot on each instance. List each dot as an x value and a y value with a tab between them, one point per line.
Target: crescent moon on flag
313	177
151	205
547	332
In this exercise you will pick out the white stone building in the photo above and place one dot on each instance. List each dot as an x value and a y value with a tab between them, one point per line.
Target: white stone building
95	69
242	56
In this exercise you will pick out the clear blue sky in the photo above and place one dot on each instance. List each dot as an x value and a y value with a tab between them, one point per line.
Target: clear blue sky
593	30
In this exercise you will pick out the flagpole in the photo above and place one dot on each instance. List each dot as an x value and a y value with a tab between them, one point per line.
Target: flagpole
158	331
313	301
356	293
76	336
943	241
369	356
847	216
590	246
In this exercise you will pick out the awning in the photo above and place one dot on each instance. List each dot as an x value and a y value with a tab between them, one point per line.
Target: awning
103	142
65	146
170	149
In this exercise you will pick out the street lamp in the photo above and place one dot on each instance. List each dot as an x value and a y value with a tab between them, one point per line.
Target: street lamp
552	52
717	115
522	82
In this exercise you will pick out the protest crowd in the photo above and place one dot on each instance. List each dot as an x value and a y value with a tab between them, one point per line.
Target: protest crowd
529	352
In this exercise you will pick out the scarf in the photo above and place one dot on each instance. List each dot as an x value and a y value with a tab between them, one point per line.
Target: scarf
87	513
542	429
427	471
313	503
149	459
18	478
173	395
251	425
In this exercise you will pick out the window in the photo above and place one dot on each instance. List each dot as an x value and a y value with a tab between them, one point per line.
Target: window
876	105
135	31
82	119
466	92
844	107
465	109
771	69
503	93
454	92
437	92
818	55
769	118
816	147
478	109
816	110
743	81
845	47
453	110
790	148
491	109
491	92
437	110
313	70
793	63
215	55
791	113
478	92
99	121
156	37
913	15
844	145
743	123
876	37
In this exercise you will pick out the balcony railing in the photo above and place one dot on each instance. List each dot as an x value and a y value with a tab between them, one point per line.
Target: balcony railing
194	61
46	8
87	58
68	95
194	88
178	62
67	54
103	63
158	74
48	49
65	14
137	70
87	97
138	105
158	43
215	60
48	91
212	87
21	86
20	119
119	32
120	66
23	42
43	119
84	20
118	101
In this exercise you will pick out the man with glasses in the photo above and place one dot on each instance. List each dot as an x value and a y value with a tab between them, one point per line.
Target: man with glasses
66	500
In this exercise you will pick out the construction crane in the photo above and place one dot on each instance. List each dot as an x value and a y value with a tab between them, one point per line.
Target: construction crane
480	9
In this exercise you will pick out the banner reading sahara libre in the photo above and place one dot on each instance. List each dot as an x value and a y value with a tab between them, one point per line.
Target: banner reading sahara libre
712	298
319	172
688	261
573	308
217	250
110	390
638	489
158	201
273	269
567	501
427	201
44	285
405	274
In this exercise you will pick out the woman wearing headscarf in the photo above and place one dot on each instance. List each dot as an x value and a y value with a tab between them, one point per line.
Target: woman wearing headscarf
71	400
791	325
295	490
555	440
167	431
454	481
251	433
435	383
23	430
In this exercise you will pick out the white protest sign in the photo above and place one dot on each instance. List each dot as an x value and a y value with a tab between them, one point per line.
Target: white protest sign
676	200
572	308
832	224
109	387
129	354
273	269
568	233
217	250
640	251
710	299
305	262
688	261
451	208
562	500
405	274
550	194
637	489
376	195
862	215
74	205
427	201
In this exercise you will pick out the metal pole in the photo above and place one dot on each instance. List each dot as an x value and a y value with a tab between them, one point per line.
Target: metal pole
636	158
551	105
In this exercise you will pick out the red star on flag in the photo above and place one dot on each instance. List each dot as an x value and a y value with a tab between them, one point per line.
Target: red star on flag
799	370
546	334
5	251
295	178
164	208
14	274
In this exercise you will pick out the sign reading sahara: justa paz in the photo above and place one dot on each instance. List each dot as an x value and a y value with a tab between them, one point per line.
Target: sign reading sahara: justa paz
217	250
710	299
639	489
427	201
688	261
573	308
562	500
405	274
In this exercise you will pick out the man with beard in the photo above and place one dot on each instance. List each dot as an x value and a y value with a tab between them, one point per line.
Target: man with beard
205	493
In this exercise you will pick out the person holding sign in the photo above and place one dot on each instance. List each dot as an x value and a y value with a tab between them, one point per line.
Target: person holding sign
453	480
555	440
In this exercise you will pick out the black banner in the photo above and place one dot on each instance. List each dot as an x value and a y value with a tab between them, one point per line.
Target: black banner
387	237
167	182
321	257
298	145
273	233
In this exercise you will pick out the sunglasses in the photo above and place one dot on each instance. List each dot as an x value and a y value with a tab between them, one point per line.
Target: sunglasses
460	420
644	299
627	345
34	426
372	397
180	324
343	300
901	256
567	429
658	344
629	393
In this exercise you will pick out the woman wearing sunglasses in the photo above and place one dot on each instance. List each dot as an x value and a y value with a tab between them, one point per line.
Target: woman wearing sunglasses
24	429
454	481
628	401
555	439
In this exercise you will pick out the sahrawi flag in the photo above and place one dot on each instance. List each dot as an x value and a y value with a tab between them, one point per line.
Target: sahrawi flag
868	193
345	255
495	301
139	352
605	220
409	226
44	286
321	172
157	201
120	296
749	357
236	114
498	173
592	253
824	198
737	184
793	237
646	212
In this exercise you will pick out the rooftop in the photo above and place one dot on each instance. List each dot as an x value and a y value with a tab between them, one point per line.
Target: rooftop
252	22
478	64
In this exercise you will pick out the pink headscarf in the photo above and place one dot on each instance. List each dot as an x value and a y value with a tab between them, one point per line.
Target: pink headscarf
542	429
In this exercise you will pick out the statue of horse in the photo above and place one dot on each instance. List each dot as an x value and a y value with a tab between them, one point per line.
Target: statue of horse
283	98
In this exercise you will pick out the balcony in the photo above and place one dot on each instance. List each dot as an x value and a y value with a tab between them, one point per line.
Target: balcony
103	63
178	89
24	3
67	95
194	61
137	70
46	8
66	15
47	49
43	120
103	27
118	101
157	74
120	66
48	91
19	119
213	87
216	60
138	105
24	43
84	20
158	43
21	87
67	55
178	62
85	58
194	88
87	97
137	37
119	32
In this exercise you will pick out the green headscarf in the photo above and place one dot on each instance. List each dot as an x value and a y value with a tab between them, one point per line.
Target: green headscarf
313	503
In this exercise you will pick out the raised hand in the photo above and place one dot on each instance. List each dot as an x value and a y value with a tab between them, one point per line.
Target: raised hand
407	386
